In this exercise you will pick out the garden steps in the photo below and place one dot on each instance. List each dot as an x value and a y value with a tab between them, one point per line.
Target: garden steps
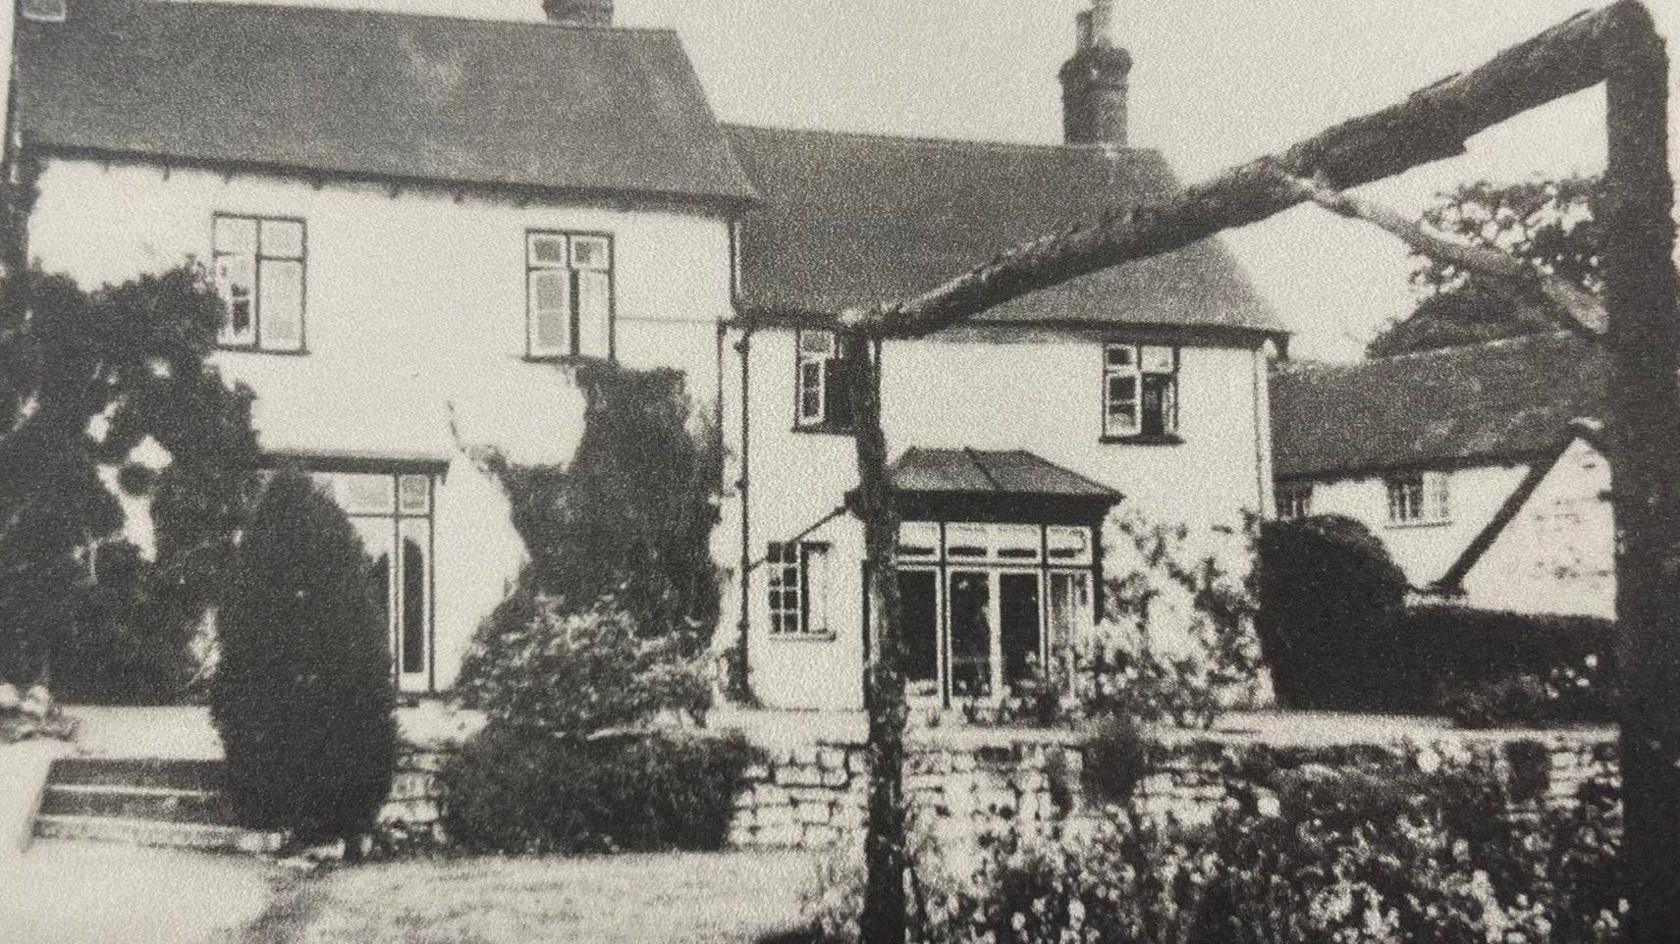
145	802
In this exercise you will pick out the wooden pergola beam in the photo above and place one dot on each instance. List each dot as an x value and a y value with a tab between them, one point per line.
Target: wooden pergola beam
1433	123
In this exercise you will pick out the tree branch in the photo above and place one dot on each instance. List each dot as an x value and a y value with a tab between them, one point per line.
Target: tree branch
1431	124
1583	312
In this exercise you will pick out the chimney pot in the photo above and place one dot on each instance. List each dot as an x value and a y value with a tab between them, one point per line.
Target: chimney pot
579	12
1095	80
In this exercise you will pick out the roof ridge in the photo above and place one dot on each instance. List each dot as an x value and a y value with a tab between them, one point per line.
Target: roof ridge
1516	340
985	473
369	13
1109	150
1058	466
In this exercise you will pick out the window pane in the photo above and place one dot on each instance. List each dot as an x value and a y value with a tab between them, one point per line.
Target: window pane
594	314
1121	389
416	494
918	539
1069	544
282	238
551	327
235	278
1016	541
971	634
416	588
817	343
235	235
1070	609
377	537
918	592
965	540
1156	360
1018	595
816	588
281	305
591	252
364	494
546	250
1120	355
811	391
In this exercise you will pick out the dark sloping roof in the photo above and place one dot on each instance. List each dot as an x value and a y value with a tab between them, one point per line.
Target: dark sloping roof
974	472
1502	400
387	95
855	219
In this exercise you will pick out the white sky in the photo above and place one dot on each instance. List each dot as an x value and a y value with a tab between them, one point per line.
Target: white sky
1215	82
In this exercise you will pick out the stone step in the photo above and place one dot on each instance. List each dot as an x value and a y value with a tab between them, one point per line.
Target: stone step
141	832
165	804
204	775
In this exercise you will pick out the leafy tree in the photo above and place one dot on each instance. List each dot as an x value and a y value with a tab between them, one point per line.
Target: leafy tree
303	695
91	376
1548	223
630	518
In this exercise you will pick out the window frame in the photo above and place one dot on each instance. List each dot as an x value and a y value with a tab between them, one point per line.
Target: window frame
574	311
1138	374
798	569
1433	499
828	367
1294	500
258	257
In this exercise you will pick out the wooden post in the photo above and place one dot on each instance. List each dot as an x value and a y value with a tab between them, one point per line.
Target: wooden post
1644	434
883	918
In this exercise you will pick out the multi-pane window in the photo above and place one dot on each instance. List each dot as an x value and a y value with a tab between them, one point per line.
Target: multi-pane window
393	515
798	574
1140	390
568	294
823	379
259	273
1294	501
1417	498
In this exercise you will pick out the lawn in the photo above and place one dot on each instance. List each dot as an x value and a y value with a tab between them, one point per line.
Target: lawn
722	897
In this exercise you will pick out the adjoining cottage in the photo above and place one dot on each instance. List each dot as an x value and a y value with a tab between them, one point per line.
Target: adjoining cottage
422	225
1481	467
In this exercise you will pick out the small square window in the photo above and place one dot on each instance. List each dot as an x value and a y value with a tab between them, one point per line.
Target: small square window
591	252
547	250
415	494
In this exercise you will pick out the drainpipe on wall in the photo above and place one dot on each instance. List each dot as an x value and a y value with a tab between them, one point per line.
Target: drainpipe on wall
743	486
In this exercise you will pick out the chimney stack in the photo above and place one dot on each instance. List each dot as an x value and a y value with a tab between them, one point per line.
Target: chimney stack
1094	80
579	12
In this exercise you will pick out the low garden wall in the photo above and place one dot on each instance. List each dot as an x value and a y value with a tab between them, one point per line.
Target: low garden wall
811	795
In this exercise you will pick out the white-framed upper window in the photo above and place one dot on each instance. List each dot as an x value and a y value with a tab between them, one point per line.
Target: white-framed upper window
1140	390
1294	500
568	294
258	266
1418	498
822	379
798	588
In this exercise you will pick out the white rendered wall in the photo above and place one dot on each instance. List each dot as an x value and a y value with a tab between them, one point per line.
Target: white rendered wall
1423	550
1042	395
1558	554
415	323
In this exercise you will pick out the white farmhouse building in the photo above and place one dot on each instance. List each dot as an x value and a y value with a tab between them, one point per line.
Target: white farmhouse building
1480	467
422	225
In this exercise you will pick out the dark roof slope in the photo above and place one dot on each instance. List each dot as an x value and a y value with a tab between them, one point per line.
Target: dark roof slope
976	471
855	219
1501	400
381	94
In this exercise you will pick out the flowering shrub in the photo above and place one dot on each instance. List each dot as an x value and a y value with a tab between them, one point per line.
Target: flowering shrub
1376	852
539	666
1575	691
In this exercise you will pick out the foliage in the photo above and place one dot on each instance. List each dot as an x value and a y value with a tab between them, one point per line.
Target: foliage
512	792
303	697
631	517
97	379
1328	594
1548	223
1370	853
542	667
1117	759
1570	692
1178	639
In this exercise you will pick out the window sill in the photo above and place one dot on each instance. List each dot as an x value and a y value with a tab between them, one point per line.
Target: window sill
565	359
246	349
1139	439
1429	523
803	637
825	429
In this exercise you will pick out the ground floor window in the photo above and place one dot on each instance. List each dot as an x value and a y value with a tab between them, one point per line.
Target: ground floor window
392	512
984	605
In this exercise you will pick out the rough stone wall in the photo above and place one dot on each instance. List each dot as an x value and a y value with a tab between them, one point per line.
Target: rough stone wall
812	796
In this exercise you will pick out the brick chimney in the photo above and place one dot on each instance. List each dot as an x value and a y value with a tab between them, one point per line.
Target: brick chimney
579	12
1094	80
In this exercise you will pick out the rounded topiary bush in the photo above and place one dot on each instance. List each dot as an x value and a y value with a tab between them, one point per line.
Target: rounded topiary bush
303	695
1328	595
